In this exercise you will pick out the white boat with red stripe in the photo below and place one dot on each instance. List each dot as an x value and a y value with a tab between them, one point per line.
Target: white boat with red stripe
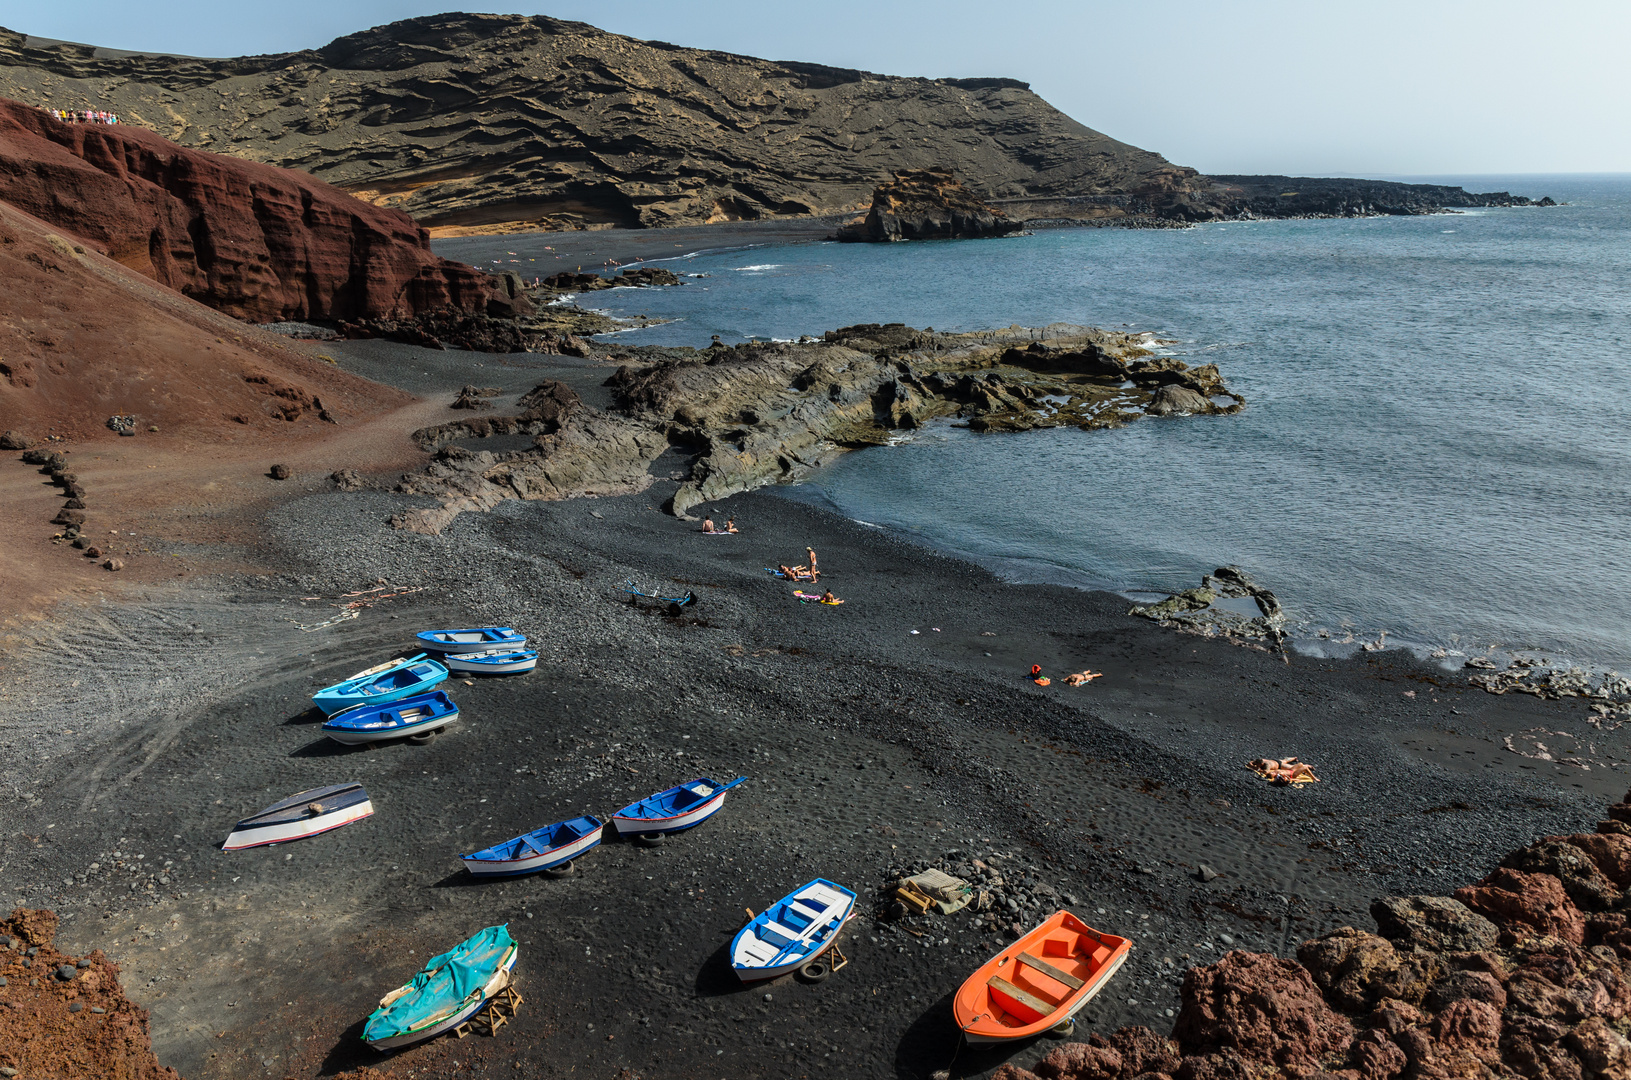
318	810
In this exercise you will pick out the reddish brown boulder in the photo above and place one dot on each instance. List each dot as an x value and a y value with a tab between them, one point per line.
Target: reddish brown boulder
1467	986
1468	1029
1611	853
256	242
1522	904
1094	1060
1004	1072
1143	1051
1264	1008
1434	923
1356	970
1585	884
1374	1056
1601	1049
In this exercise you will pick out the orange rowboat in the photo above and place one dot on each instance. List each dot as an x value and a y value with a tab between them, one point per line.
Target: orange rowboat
1039	982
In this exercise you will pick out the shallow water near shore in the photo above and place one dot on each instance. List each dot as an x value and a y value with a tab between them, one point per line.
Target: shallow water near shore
1435	443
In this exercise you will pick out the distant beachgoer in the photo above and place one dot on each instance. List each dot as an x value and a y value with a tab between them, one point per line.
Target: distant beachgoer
707	524
1036	670
828	598
815	571
786	571
730	525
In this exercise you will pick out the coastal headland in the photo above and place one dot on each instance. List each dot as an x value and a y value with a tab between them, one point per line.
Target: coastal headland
489	124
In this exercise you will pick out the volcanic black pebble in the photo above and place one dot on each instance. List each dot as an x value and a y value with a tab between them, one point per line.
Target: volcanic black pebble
280	472
75	1007
65	972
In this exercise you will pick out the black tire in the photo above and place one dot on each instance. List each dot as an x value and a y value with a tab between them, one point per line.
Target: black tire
815	971
566	869
423	737
674	611
1064	1030
651	839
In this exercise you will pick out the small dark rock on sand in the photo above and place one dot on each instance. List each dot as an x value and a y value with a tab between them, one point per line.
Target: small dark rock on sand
280	472
14	440
75	503
69	517
114	564
347	479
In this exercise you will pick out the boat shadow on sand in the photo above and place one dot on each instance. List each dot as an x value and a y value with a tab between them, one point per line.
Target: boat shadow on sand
311	715
716	977
932	1041
350	1052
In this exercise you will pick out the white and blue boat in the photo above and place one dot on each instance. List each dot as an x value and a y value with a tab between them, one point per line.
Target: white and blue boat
400	679
542	849
493	661
471	639
680	807
792	932
421	717
316	810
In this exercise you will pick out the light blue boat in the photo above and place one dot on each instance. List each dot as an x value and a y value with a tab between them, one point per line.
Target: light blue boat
419	717
376	686
448	990
471	639
792	932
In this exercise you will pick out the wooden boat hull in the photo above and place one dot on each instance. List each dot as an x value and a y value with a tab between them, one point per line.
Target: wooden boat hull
532	864
1039	982
394	720
629	823
492	662
823	907
288	819
500	979
470	639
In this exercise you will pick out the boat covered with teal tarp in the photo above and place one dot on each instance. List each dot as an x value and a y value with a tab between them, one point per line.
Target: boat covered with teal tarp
448	990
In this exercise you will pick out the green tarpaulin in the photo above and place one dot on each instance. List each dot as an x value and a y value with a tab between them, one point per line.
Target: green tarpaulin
443	986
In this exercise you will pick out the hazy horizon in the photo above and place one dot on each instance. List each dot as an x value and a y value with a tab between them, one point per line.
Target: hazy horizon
1447	89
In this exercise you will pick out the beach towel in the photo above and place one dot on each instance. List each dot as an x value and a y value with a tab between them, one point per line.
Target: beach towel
1283	771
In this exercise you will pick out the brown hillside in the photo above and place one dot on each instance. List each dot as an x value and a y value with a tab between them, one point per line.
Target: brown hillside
472	121
83	338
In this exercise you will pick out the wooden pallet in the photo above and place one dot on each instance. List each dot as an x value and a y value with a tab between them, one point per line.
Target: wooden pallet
500	1010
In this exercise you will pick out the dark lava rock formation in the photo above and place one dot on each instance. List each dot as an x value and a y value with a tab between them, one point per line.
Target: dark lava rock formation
1304	196
65	1015
761	413
1525	974
928	204
255	242
499	122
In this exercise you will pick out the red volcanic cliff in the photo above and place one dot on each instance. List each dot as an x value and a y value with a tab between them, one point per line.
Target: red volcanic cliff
253	241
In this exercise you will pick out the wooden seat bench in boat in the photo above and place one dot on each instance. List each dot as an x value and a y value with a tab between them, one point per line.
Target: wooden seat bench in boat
1022	997
1050	971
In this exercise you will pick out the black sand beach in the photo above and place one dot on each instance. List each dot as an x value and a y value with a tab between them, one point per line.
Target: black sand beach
136	734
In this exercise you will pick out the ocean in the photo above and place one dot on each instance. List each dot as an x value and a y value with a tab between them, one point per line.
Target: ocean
1436	441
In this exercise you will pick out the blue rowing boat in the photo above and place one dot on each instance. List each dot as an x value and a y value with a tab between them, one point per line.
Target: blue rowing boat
493	661
421	717
541	849
397	680
680	807
471	639
791	932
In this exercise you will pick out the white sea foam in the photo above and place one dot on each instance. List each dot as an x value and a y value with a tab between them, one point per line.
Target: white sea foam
760	266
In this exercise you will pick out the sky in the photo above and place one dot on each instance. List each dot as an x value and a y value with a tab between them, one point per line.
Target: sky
1385	89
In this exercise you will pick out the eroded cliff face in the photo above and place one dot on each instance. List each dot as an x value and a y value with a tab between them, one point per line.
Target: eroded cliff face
255	242
496	122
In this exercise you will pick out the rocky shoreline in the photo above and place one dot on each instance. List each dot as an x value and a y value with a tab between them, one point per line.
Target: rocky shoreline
734	419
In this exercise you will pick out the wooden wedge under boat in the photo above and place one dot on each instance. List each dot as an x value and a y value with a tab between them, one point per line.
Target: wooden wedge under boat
1039	982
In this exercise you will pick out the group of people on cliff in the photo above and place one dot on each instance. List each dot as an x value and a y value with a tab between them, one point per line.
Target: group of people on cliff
83	116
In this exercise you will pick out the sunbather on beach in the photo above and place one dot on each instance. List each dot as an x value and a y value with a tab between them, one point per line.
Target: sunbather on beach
787	572
730	525
707	524
828	598
815	570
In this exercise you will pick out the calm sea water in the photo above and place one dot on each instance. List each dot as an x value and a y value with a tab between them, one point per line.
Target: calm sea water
1436	441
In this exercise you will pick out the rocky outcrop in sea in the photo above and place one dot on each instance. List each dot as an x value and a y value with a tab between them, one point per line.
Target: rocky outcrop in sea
760	414
927	204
